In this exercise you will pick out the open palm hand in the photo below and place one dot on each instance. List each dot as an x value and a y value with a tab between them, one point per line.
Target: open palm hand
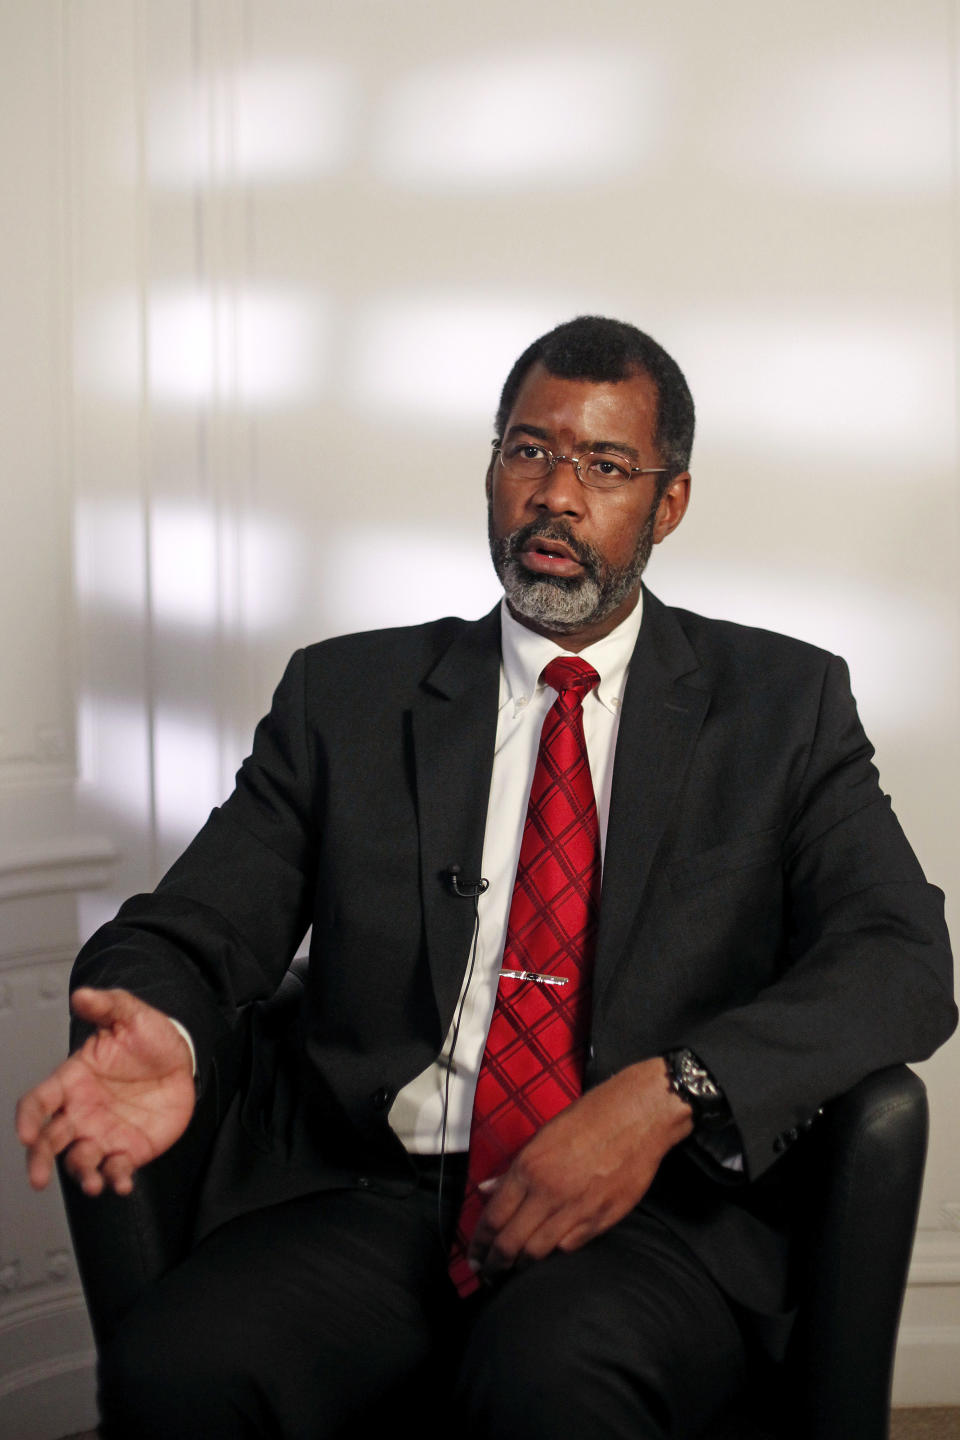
118	1102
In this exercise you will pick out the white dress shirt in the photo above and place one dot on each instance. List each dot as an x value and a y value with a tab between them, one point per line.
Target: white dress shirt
417	1112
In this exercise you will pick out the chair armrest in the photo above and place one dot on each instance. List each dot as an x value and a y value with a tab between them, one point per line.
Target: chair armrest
124	1243
864	1175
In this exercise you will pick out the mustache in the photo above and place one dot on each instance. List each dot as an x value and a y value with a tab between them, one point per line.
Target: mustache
583	553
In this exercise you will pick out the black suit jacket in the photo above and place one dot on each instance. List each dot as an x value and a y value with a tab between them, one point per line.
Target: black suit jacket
760	904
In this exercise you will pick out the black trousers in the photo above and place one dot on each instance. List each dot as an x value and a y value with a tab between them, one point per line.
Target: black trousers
332	1315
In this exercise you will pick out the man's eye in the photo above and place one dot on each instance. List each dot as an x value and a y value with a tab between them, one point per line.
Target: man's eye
603	468
526	452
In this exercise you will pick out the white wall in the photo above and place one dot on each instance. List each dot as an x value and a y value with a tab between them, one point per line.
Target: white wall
266	263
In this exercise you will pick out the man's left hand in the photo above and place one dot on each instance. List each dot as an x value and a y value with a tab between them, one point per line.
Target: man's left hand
586	1169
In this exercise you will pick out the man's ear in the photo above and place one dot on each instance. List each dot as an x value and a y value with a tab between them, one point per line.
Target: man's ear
672	507
488	482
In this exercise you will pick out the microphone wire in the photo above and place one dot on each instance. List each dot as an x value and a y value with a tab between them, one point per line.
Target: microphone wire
453	1046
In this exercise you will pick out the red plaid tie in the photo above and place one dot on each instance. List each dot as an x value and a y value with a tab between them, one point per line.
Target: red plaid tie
533	1062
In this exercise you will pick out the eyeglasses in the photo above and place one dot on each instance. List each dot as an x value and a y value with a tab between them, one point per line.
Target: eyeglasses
599	470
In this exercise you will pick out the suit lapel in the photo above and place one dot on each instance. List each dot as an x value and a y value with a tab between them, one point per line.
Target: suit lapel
454	724
664	705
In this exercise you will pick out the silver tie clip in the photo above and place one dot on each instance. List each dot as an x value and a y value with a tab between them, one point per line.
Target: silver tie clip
535	977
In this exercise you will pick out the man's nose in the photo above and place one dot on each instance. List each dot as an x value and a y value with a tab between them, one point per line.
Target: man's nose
560	490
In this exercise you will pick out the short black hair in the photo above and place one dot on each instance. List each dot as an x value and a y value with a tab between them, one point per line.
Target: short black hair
591	347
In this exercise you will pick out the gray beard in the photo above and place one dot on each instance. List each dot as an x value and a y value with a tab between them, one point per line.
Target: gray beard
565	604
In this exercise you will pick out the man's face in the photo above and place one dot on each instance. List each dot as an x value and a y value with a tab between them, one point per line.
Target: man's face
570	557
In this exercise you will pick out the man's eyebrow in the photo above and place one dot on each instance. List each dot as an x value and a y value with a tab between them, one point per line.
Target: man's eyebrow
533	430
618	447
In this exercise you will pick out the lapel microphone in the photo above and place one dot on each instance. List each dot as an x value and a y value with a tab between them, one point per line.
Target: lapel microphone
469	889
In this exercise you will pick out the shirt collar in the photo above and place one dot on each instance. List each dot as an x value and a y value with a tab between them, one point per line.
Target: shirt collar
525	653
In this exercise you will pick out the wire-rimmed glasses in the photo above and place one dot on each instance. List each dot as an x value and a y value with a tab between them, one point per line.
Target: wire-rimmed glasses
525	460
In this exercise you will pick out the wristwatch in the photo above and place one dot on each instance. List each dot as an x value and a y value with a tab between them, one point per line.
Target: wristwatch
692	1081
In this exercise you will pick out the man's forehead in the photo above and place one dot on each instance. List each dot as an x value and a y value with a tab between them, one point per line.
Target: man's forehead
610	410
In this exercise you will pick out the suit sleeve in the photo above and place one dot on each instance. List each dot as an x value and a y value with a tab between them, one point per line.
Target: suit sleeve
868	974
222	926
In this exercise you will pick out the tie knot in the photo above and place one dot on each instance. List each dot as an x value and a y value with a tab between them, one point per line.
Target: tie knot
568	672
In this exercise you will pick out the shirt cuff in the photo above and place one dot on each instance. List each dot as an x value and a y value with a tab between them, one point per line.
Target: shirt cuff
182	1030
722	1145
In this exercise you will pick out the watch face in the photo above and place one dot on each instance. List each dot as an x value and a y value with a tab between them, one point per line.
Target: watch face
704	1087
696	1083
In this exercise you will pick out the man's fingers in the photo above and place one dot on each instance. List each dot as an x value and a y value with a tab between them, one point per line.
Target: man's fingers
39	1166
509	1243
576	1238
82	1162
536	1231
37	1106
43	1128
516	1218
504	1194
507	1195
94	1169
57	1134
31	1116
117	1171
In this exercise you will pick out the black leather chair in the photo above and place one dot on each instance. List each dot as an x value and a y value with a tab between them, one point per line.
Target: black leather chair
862	1166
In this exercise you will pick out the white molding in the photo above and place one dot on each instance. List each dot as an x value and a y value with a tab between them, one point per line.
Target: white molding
57	1397
48	1370
936	1259
30	1307
43	1371
927	1369
80	862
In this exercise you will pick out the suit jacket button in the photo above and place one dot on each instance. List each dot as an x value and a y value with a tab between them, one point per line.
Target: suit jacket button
382	1097
779	1145
363	1182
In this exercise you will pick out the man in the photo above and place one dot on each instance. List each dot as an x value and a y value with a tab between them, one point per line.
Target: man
764	938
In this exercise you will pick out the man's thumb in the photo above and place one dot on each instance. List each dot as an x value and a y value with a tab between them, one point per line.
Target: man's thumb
103	1008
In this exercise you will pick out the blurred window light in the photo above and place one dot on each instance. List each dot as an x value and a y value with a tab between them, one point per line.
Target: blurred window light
576	116
294	119
178	135
860	122
444	356
186	755
262	123
281	346
180	346
183	564
106	344
110	553
394	576
204	566
260	347
264	561
834	385
114	745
